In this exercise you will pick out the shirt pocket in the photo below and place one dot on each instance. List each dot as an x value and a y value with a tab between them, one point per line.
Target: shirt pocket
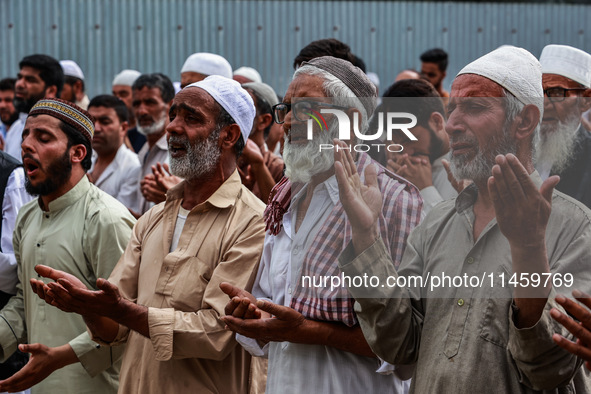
192	278
494	324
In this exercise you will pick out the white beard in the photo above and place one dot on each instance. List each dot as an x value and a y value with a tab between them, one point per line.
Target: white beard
556	146
200	159
479	169
154	128
304	161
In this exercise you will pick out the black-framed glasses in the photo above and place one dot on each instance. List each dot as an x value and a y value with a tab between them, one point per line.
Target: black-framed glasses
558	94
302	110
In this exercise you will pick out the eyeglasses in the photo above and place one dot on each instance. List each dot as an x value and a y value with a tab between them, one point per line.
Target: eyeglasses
558	94
302	110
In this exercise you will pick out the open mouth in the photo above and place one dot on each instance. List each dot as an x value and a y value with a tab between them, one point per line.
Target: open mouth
31	167
176	149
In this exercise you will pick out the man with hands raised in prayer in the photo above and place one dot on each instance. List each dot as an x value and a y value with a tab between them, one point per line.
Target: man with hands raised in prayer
469	338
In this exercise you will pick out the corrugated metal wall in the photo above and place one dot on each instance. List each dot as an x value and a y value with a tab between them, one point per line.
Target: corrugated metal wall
105	36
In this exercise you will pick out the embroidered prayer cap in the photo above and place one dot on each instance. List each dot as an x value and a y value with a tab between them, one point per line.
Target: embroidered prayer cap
230	95
515	69
249	73
207	64
126	77
567	61
68	113
352	76
72	69
263	90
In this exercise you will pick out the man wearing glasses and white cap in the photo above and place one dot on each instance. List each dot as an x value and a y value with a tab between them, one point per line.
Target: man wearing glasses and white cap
565	144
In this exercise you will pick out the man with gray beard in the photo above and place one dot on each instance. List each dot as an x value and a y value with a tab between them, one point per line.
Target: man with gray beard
163	298
152	98
508	228
314	342
565	145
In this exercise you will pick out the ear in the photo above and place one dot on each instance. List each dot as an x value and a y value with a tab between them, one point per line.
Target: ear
124	127
229	136
264	121
585	100
437	123
51	92
525	123
77	153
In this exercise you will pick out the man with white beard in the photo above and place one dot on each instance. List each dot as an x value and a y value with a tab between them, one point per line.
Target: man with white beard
163	298
565	145
495	334
314	342
152	98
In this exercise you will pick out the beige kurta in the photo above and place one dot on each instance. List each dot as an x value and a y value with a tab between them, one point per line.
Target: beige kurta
84	232
189	351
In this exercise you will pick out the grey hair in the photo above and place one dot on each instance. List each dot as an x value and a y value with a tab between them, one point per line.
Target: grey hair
513	107
338	91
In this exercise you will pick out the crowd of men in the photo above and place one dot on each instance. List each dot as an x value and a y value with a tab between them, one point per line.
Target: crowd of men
158	239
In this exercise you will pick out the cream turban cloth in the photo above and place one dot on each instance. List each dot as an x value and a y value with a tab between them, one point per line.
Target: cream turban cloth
207	64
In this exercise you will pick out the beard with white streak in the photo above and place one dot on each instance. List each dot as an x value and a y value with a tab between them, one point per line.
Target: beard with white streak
479	169
302	161
201	158
156	127
556	144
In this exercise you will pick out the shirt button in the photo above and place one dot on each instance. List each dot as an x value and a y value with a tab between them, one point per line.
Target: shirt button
289	289
470	260
47	216
38	245
460	302
296	250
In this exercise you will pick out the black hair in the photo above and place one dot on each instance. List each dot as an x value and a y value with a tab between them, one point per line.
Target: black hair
358	62
325	47
7	84
437	56
70	80
263	107
156	80
76	138
50	70
109	101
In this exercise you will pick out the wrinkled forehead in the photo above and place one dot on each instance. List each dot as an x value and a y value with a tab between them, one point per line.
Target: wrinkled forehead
473	85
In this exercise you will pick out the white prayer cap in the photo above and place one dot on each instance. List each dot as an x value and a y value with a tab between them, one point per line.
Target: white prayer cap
177	87
126	77
567	61
207	64
515	69
72	69
249	73
235	100
263	90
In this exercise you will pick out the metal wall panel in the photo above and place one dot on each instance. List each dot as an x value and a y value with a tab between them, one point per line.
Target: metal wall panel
105	36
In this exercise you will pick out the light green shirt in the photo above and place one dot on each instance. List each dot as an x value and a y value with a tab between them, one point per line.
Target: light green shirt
84	232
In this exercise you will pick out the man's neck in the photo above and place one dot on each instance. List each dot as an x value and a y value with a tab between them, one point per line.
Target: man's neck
197	191
153	138
75	177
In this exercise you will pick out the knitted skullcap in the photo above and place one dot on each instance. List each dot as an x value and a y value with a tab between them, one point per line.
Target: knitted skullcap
515	69
232	97
250	73
126	77
263	90
351	76
68	113
207	64
567	61
72	69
